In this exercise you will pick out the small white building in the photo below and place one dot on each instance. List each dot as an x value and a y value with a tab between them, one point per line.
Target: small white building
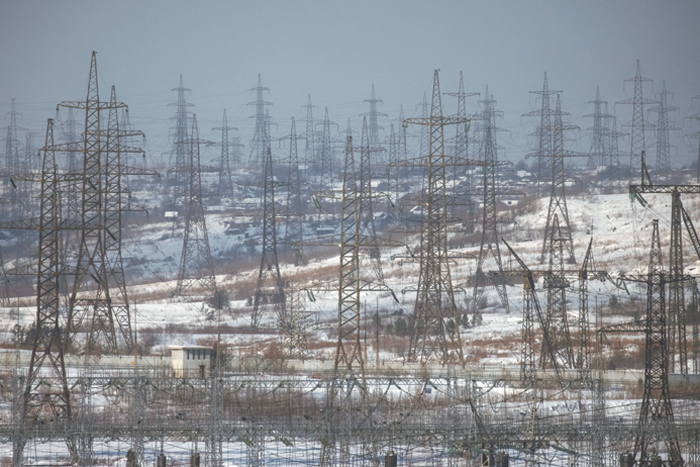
191	361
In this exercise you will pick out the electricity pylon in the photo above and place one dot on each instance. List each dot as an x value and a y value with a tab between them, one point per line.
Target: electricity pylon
598	154
656	423
39	402
225	185
261	137
309	146
436	325
663	129
178	180
557	197
325	156
556	316
294	226
696	135
196	264
638	125
14	204
374	126
544	132
99	257
270	287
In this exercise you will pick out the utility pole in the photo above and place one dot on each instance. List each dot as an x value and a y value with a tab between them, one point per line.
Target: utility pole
196	264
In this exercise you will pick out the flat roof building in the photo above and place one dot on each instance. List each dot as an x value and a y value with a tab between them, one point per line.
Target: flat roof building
191	361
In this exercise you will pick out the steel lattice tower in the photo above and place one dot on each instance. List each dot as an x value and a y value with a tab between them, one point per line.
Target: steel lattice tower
489	227
225	186
556	318
544	132
261	137
366	214
638	125
696	135
309	146
557	199
47	349
656	410
663	128
325	155
100	198
598	154
270	287
435	303
294	227
196	264
374	126
180	148
461	141
12	167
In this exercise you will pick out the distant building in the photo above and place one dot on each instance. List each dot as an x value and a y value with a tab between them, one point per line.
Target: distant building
191	361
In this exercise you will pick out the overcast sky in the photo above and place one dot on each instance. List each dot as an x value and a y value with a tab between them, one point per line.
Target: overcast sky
335	51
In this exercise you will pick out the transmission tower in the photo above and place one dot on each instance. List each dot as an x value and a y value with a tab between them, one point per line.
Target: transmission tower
598	154
557	198
544	132
638	125
309	146
99	256
461	141
225	185
261	137
365	212
435	302
663	129
696	135
556	285
12	167
196	264
326	159
294	226
656	422
270	287
179	179
374	126
489	228
39	402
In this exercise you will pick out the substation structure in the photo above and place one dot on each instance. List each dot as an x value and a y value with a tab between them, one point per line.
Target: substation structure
440	416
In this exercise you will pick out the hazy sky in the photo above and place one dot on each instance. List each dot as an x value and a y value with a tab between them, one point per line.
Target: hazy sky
335	51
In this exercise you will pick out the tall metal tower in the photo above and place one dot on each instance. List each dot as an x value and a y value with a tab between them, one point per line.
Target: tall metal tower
309	146
374	126
101	205
544	132
461	140
435	305
39	403
270	287
696	135
225	185
489	227
261	137
12	166
326	160
196	264
557	198
556	285
598	153
638	125
663	128
179	178
294	227
364	205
